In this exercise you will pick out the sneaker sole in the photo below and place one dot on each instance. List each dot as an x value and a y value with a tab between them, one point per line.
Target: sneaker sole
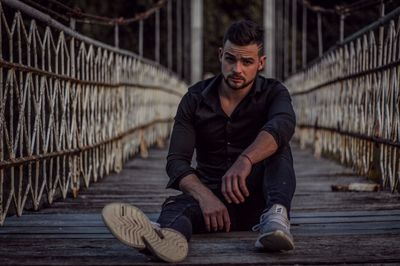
132	227
275	241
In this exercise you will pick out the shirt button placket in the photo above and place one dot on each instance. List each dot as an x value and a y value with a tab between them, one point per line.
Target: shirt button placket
228	141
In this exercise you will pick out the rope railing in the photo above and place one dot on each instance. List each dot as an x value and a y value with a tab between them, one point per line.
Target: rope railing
72	109
348	101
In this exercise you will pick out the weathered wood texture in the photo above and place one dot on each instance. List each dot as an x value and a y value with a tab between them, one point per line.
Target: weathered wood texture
328	227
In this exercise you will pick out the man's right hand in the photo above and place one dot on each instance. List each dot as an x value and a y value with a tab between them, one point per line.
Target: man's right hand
216	216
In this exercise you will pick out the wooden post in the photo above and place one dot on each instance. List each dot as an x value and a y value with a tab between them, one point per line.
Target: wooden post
72	23
320	44
169	32
141	38
157	37
342	17
304	35
269	37
179	37
279	36
381	35
116	35
286	40
186	41
197	40
294	35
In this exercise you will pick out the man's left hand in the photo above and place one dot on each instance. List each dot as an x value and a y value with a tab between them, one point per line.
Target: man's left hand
234	186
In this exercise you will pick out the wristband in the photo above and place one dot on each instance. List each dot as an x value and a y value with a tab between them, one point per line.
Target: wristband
248	158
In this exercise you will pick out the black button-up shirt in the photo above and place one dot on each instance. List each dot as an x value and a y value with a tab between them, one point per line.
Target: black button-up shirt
201	124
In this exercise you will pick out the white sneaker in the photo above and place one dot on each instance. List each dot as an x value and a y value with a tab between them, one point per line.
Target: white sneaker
132	227
274	230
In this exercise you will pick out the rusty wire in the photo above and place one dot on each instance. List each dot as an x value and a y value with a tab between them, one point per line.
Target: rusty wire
72	110
85	17
345	9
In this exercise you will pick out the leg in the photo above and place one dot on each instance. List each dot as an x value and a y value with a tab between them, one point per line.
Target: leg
272	184
183	214
279	182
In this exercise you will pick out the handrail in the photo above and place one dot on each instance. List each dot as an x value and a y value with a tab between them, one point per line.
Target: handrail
72	109
348	101
34	13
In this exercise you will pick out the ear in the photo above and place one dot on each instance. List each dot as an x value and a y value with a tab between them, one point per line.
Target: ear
220	54
261	63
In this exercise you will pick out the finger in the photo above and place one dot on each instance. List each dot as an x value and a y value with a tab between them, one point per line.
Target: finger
214	223
227	221
243	187
223	189
220	220
235	189
207	222
231	196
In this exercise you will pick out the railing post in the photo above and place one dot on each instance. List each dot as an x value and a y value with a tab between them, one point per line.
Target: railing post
381	35
269	37
320	44
286	39
157	37
141	38
169	32
179	37
116	35
186	41
342	18
304	38
294	35
72	23
197	40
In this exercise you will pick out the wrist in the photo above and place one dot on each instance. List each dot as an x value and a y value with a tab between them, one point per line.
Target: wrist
246	158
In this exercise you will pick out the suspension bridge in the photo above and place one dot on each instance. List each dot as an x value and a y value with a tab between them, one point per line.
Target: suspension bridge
84	123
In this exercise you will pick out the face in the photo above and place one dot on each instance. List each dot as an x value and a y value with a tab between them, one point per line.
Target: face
240	64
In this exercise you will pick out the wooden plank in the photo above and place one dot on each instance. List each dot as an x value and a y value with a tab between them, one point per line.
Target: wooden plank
80	219
207	250
357	228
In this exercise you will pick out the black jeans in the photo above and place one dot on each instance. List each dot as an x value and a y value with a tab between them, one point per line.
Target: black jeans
270	182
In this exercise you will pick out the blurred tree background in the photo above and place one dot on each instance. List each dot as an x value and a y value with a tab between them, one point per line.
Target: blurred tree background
218	15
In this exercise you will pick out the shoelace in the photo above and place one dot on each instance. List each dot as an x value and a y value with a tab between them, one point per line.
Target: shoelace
274	218
263	221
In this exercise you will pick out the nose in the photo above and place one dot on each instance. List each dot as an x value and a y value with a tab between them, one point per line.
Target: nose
237	68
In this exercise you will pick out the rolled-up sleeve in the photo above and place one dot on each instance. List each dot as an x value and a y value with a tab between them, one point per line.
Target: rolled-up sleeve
182	143
281	120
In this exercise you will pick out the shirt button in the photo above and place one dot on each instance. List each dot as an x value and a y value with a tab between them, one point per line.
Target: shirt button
229	143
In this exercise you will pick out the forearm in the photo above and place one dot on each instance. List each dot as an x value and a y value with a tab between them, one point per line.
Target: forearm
215	213
262	147
192	185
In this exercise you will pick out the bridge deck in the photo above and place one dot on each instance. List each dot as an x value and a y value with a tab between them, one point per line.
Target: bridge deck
328	227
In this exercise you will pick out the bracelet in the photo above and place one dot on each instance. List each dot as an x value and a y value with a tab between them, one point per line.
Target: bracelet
248	158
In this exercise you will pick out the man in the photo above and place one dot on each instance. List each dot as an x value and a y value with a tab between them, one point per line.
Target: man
240	124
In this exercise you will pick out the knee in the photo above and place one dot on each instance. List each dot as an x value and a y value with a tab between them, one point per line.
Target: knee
282	156
179	201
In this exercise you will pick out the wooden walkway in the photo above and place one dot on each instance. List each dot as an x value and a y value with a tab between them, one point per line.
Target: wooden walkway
328	227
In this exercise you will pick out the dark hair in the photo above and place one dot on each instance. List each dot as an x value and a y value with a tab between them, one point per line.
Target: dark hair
245	32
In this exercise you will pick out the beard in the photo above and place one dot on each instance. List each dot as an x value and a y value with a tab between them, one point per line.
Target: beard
233	86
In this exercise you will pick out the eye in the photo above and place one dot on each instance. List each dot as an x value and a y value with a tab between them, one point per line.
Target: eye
230	59
247	62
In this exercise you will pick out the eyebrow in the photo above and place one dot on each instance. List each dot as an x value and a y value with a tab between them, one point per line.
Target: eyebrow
242	57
